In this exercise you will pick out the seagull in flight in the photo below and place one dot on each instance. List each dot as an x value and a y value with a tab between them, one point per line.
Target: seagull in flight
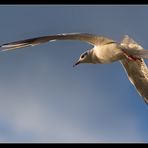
105	50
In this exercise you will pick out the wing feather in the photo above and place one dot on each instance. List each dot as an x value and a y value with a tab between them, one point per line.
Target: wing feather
89	38
137	71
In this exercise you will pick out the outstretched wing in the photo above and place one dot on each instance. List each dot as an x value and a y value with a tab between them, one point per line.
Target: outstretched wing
137	71
89	38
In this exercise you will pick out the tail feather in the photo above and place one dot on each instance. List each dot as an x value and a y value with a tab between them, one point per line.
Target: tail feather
131	47
137	53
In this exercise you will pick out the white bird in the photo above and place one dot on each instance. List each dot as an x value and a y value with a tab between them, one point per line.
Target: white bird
104	50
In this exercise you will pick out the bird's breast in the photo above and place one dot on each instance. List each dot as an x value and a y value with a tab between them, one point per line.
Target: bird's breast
108	53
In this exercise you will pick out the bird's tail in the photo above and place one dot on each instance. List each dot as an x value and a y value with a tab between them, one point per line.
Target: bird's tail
132	48
137	53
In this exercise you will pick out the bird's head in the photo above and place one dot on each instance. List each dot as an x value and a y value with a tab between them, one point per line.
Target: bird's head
84	58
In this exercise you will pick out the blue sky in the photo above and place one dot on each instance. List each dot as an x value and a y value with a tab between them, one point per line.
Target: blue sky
44	99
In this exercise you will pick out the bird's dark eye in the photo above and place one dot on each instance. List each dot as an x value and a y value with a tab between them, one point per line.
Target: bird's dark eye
85	54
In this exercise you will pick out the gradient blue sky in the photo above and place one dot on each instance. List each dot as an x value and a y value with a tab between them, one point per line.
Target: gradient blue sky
44	99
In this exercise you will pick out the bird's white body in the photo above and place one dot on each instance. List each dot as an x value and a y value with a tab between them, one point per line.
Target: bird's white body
107	53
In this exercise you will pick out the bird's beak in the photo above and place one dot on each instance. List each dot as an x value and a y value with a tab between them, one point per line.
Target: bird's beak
77	63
